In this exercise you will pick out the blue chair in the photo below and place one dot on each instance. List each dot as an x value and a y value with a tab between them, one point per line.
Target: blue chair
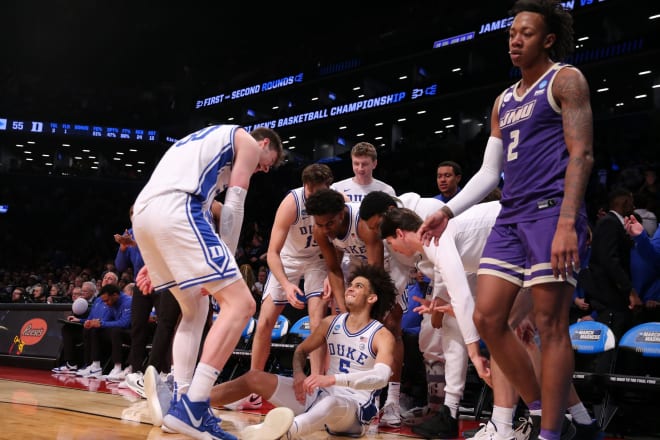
590	341
280	329
634	385
589	337
301	328
240	358
643	339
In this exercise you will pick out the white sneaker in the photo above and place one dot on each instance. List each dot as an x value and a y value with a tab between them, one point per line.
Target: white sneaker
390	415
90	372
135	382
417	415
489	432
275	425
118	375
253	401
158	395
65	369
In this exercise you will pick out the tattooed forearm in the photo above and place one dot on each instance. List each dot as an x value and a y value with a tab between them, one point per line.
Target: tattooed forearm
572	92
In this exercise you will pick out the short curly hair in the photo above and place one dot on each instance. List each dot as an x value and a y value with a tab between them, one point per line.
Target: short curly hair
558	21
376	202
381	284
325	201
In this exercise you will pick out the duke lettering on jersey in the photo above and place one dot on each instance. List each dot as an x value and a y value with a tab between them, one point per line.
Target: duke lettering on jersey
347	352
359	251
355	197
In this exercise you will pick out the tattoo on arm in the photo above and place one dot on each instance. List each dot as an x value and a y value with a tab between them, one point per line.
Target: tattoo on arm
571	90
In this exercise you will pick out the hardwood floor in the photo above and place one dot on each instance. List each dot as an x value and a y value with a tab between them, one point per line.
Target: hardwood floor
36	404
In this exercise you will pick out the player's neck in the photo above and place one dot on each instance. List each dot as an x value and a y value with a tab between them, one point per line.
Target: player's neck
357	320
344	223
363	180
532	73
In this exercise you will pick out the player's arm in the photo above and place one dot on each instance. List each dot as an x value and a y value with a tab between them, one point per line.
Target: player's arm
373	242
311	343
245	164
284	218
571	91
484	181
448	266
333	263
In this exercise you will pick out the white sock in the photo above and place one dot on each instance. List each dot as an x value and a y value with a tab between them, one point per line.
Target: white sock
203	380
580	414
452	405
96	365
502	418
117	366
393	392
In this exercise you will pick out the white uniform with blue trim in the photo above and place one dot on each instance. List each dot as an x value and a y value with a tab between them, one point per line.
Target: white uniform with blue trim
341	410
352	353
172	220
300	255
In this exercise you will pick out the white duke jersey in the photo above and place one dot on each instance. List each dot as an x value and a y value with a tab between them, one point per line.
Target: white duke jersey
356	192
299	241
199	165
399	265
350	243
458	253
352	353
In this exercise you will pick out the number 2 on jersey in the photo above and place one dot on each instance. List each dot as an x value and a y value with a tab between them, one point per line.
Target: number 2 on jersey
512	154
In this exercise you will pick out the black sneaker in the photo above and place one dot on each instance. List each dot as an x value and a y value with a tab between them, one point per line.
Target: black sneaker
588	432
567	428
441	425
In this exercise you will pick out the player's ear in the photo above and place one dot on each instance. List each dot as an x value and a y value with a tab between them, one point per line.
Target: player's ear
549	40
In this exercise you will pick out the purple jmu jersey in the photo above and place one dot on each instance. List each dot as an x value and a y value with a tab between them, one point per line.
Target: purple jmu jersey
535	154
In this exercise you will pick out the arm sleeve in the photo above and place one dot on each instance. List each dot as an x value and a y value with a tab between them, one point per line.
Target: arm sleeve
449	267
373	379
484	181
231	218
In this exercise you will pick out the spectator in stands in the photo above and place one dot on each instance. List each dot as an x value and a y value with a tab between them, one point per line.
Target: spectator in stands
644	207
128	289
613	296
54	295
74	333
112	330
259	284
645	268
88	291
19	295
76	293
38	294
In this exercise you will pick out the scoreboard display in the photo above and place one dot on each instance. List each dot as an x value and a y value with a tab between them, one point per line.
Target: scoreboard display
79	130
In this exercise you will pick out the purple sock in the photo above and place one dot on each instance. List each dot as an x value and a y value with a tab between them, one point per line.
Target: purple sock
535	405
546	434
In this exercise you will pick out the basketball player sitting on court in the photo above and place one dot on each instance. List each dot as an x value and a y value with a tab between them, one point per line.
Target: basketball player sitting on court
345	400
